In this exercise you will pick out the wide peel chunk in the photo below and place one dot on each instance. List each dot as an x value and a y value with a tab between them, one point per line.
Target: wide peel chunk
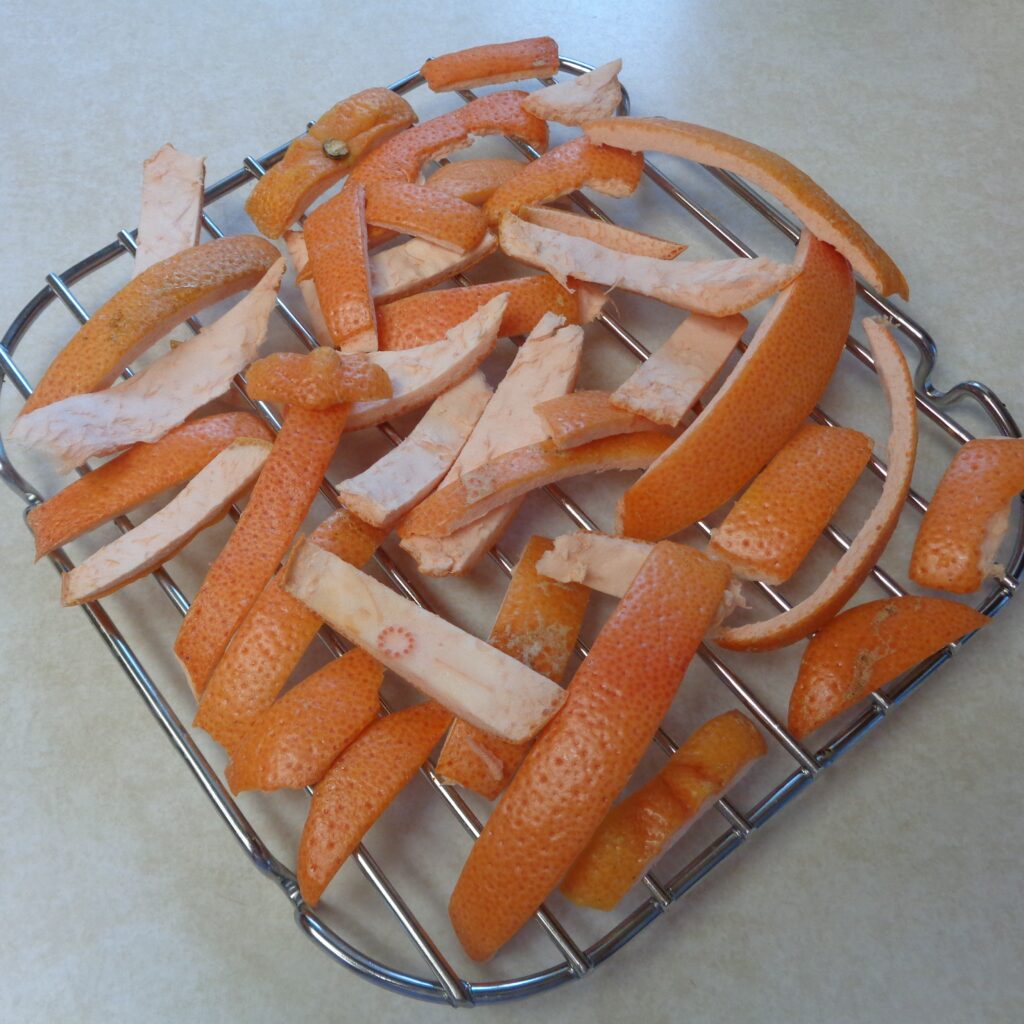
159	397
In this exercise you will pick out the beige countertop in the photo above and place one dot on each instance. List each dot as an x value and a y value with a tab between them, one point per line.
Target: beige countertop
892	890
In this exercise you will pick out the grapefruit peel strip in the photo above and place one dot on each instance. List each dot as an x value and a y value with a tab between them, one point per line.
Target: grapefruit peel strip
203	501
866	647
819	212
857	561
712	287
146	406
384	492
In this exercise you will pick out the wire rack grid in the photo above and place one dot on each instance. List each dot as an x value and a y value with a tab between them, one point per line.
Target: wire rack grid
443	983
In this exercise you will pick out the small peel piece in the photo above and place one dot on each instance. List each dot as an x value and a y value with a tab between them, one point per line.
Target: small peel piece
427	213
336	245
420	374
316	380
772	528
362	122
384	492
472	679
146	308
290	479
639	828
968	516
545	365
666	386
820	213
358	788
492	64
203	501
172	206
611	236
791	358
599	562
853	567
538	623
417	265
402	158
868	646
296	740
584	416
578	163
272	638
581	762
136	476
510	476
475	181
420	319
574	102
158	398
712	287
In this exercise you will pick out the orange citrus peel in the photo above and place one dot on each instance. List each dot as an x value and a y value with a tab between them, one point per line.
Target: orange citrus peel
868	646
578	163
669	384
417	265
772	528
336	244
538	623
317	380
968	516
172	205
510	476
161	395
712	287
402	158
419	375
295	741
475	181
204	500
472	679
638	829
358	788
420	319
584	416
427	213
146	308
492	64
857	561
272	637
587	97
279	502
136	476
599	562
545	365
581	762
384	492
769	393
358	124
296	246
766	170
609	235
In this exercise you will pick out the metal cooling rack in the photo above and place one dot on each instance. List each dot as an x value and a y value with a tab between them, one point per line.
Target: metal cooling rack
442	983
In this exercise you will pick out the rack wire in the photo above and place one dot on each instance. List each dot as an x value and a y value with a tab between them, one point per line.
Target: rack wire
575	959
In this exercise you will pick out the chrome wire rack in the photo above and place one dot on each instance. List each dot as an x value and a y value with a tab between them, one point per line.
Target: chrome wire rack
575	957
